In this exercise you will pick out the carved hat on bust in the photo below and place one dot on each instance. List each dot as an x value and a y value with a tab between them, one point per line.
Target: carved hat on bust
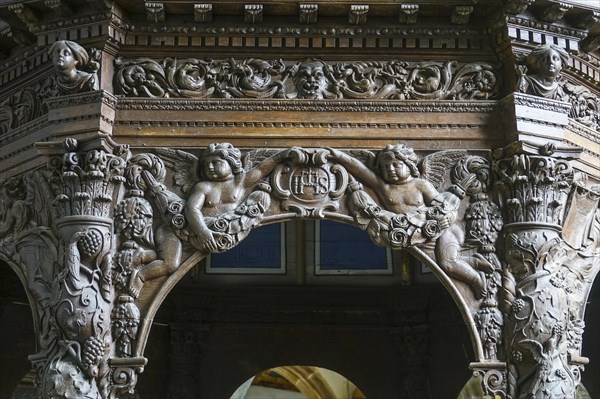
228	152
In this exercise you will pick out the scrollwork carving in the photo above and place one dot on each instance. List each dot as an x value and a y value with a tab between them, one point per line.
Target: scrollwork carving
26	105
310	79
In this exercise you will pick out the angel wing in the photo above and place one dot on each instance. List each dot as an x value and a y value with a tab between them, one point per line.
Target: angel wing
185	167
535	348
435	165
254	157
365	156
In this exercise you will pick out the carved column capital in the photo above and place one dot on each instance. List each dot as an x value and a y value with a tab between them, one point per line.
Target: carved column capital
551	258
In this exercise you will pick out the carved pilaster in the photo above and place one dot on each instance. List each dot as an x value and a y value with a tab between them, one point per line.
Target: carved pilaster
551	254
64	241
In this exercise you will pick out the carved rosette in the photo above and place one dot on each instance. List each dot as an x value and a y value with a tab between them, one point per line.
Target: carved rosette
546	276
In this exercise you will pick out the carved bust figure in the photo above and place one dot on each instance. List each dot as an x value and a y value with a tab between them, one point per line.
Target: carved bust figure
71	61
544	65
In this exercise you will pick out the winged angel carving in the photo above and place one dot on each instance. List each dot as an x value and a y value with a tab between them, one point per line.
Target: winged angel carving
415	212
224	202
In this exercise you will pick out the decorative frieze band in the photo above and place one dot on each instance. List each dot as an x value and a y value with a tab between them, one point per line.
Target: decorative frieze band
311	79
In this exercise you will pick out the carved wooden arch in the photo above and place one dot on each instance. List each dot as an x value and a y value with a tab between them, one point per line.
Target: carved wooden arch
193	260
324	205
101	200
551	223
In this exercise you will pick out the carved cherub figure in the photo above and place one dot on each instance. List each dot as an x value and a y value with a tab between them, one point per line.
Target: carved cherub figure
223	208
544	65
145	175
71	61
401	190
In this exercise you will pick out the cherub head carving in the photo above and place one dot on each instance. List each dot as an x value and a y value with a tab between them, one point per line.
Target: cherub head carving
546	61
71	61
397	163
221	161
311	80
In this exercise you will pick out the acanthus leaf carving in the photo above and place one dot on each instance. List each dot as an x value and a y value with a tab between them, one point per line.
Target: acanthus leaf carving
309	79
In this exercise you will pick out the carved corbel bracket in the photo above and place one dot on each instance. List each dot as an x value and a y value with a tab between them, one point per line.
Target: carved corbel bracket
493	377
253	13
408	13
203	13
358	14
309	13
517	6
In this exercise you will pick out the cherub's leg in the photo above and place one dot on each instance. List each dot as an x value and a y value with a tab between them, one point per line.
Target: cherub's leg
169	256
448	255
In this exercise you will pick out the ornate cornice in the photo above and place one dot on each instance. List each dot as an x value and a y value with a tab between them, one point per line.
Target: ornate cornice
545	26
302	125
306	105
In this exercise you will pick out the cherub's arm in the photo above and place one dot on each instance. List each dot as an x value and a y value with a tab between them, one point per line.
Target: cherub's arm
357	169
264	168
428	190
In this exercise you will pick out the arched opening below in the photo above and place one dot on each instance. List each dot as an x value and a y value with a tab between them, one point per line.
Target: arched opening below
298	382
17	336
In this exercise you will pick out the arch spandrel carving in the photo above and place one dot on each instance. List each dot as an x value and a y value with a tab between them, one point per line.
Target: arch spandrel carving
126	226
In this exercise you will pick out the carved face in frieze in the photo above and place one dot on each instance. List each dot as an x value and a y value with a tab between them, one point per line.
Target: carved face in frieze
311	80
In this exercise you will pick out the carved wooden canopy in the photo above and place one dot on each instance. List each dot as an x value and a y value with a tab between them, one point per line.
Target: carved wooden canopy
139	137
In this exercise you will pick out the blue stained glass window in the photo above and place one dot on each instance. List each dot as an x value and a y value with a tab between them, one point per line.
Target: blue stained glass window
345	247
260	250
